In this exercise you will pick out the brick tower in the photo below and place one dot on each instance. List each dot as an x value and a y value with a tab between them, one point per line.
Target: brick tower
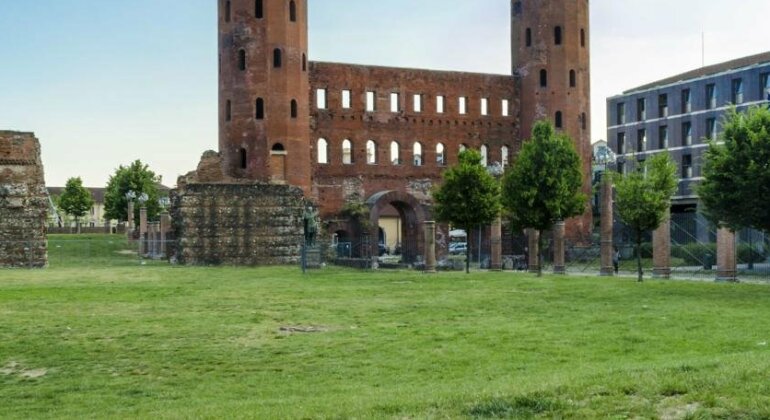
550	59
263	91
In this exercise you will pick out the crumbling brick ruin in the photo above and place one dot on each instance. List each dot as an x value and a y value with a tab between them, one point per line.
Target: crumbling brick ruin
379	136
23	202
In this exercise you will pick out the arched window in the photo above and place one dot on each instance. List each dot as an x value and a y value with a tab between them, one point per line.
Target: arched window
260	114
528	37
572	78
484	155
293	108
228	111
347	152
278	147
417	154
244	159
505	155
557	35
292	11
543	78
558	121
277	57
463	148
304	62
241	60
323	151
582	37
395	153
440	155
371	152
258	10
228	7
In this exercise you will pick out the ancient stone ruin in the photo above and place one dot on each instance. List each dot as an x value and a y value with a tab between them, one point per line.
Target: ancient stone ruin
23	202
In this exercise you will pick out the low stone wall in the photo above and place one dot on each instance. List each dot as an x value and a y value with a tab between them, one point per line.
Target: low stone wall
23	202
237	224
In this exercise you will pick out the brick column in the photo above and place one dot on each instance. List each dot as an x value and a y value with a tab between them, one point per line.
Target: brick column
559	266
496	260
726	268
165	228
130	221
607	269
534	252
661	249
142	231
429	229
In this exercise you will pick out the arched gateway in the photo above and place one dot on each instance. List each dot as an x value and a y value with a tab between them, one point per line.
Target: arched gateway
412	215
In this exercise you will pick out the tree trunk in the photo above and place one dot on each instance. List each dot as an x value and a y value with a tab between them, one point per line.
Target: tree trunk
467	251
639	256
540	258
77	225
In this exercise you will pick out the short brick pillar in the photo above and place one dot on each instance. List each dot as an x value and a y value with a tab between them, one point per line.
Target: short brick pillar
165	228
661	249
559	266
607	251
142	231
430	246
726	268
534	251
496	260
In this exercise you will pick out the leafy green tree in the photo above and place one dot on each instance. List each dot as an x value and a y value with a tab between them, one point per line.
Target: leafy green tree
136	177
76	200
643	197
737	173
468	196
543	186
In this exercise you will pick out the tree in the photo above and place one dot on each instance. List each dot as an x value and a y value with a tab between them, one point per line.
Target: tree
644	196
543	186
737	172
76	200
468	196
136	177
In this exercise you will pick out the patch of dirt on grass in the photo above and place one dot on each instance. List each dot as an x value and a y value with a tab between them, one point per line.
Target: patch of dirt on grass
9	369
673	409
126	252
302	329
33	374
13	368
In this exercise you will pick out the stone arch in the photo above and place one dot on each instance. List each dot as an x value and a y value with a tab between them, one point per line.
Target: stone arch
413	215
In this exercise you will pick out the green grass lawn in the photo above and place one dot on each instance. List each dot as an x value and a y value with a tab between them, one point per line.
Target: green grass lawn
170	342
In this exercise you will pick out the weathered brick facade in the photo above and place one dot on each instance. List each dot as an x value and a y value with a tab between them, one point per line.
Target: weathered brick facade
23	202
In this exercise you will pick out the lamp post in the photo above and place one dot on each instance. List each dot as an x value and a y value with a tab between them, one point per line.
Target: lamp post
606	157
143	198
130	197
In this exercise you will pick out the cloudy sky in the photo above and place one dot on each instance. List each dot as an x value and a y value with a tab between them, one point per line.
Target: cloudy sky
102	83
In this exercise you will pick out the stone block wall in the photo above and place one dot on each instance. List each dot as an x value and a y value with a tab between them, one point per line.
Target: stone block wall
23	202
241	224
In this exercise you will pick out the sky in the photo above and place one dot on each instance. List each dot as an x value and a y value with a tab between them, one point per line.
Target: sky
102	83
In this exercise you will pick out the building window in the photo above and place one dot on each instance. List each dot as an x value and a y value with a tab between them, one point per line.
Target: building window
583	121
621	113
582	37
711	96
394	102
292	11
395	153
417	102
304	62
543	78
528	37
241	60
347	152
737	92
371	152
439	104
572	78
711	128
663	137
462	148
686	133
504	106
244	158
764	86
320	98
558	119
504	156
462	104
663	106
686	102
277	58
557	35
370	101
228	110
641	140
228	8
686	166
440	154
260	109
484	155
294	108
258	10
417	154
346	99
323	151
484	106
641	109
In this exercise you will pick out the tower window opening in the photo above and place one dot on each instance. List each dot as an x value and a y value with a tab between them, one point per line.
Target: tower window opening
242	60
462	105
258	10
557	35
417	154
440	155
572	78
323	151
558	119
370	101
292	11
484	155
228	7
244	158
543	78
371	152
294	108
304	62
583	121
278	147
504	106
346	99
260	114
395	153
228	111
320	97
504	156
582	37
439	104
528	37
347	152
277	58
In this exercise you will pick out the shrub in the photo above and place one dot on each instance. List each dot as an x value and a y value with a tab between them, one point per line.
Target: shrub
695	253
746	254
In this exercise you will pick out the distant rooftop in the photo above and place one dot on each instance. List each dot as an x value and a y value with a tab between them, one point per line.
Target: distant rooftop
707	71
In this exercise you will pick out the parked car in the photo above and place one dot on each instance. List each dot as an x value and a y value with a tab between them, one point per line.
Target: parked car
458	248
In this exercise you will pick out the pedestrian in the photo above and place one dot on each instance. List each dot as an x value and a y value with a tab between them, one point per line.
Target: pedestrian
616	259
